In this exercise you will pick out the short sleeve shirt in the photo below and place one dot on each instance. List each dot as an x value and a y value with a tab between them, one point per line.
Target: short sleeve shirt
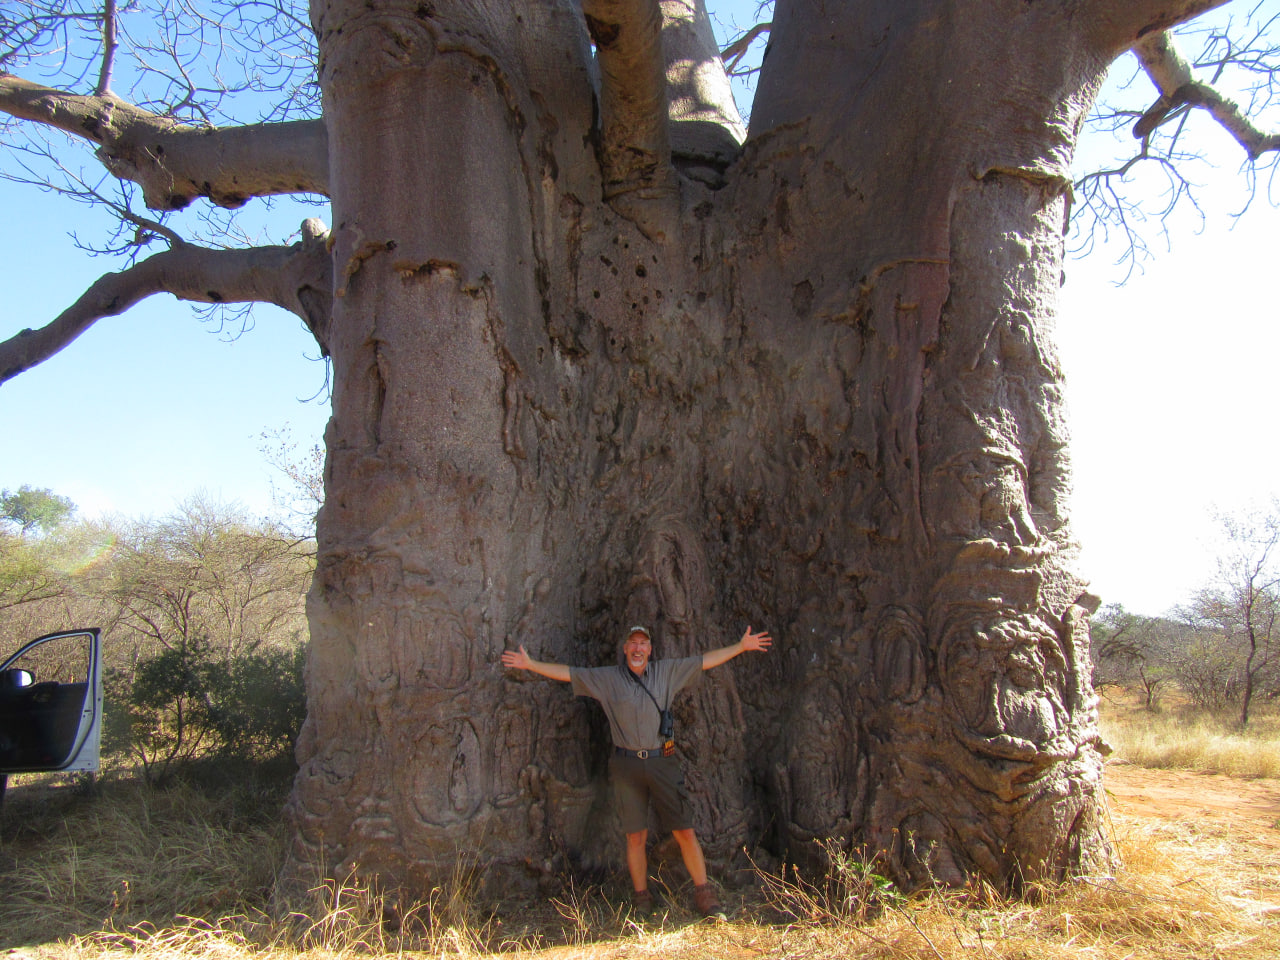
633	719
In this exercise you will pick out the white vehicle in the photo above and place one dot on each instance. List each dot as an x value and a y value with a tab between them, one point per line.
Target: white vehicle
51	705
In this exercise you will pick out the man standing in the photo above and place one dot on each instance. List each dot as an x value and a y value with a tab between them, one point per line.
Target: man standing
636	697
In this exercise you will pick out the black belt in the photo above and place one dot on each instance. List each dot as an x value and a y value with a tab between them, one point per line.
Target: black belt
653	754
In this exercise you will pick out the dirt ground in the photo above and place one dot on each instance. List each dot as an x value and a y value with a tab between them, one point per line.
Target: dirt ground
1252	806
1220	831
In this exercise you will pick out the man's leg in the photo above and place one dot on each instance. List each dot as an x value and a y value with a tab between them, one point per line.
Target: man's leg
691	851
704	895
637	861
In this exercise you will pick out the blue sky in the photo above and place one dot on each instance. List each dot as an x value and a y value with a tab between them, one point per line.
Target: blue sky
1170	389
152	406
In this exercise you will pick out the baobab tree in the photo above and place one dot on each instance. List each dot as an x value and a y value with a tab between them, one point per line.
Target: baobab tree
602	355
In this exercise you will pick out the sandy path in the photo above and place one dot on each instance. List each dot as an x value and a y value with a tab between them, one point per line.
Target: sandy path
1252	806
1221	832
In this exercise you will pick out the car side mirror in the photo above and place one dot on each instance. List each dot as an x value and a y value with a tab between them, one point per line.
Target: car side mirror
14	679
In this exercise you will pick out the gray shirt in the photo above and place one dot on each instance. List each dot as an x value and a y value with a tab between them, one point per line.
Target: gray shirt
633	719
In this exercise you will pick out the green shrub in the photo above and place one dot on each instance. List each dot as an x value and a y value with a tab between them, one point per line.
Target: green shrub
184	703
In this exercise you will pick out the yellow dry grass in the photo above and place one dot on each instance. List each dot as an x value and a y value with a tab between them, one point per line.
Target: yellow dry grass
1185	739
180	875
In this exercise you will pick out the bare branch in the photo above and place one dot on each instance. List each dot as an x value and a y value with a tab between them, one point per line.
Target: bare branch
1171	73
175	163
639	181
732	54
109	47
296	278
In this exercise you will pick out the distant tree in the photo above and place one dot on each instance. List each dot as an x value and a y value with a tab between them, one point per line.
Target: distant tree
25	575
47	582
35	508
1132	650
209	636
1206	666
210	579
304	469
1243	601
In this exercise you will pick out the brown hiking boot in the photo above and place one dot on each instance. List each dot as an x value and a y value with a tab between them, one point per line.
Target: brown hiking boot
642	904
707	903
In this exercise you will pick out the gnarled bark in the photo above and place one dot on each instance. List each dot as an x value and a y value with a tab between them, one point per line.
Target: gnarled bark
595	364
826	402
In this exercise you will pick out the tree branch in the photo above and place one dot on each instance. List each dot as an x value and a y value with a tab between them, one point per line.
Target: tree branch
705	128
1118	24
1171	73
297	278
110	44
175	163
635	153
732	54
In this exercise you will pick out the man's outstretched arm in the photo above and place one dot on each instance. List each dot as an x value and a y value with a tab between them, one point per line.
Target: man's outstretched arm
750	641
520	660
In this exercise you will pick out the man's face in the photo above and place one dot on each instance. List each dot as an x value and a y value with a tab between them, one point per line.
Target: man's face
636	651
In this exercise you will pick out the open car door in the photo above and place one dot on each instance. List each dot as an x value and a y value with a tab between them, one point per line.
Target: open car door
51	704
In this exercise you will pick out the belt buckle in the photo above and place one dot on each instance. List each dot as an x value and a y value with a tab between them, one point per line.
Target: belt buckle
642	754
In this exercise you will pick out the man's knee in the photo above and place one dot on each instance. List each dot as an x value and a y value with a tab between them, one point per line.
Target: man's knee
685	837
637	839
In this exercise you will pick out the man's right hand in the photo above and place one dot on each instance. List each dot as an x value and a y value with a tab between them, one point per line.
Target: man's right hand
520	660
517	659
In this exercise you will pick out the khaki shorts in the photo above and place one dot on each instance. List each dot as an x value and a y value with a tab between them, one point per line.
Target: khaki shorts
660	779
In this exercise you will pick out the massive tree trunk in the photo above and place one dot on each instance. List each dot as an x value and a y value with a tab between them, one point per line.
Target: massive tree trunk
594	365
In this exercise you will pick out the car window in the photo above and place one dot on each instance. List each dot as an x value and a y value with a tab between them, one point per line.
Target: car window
63	658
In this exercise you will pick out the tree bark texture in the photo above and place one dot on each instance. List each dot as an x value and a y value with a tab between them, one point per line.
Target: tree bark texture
808	385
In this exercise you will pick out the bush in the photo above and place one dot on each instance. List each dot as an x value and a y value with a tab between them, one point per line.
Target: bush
258	704
184	703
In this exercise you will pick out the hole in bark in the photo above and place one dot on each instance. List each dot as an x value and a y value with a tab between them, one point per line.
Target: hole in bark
603	34
213	295
641	271
802	298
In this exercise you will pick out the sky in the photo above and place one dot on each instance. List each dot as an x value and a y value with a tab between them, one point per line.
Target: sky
1170	389
153	406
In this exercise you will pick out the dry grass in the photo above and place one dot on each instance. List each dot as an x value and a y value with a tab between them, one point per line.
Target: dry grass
74	861
1185	739
183	875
